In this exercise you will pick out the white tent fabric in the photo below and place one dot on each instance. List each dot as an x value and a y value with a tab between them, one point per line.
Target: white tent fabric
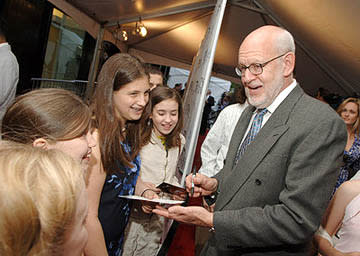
217	85
326	33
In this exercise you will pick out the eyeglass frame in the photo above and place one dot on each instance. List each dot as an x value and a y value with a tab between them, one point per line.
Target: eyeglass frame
261	65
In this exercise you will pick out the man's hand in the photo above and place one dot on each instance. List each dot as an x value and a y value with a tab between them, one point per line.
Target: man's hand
203	185
195	215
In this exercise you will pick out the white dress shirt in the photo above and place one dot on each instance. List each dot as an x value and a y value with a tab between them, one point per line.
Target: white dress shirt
216	144
273	106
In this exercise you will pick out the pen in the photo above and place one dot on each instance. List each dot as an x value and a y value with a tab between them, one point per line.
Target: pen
192	181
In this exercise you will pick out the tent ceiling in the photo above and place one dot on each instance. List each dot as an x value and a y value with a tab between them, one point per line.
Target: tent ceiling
328	52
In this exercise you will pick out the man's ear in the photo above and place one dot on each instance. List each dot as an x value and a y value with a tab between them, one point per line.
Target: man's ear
41	143
289	64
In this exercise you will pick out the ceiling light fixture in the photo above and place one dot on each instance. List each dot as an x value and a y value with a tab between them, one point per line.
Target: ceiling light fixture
120	34
140	29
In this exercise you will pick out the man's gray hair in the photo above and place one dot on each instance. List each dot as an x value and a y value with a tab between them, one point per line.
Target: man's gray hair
285	42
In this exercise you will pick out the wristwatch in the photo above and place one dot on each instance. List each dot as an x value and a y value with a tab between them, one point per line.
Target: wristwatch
211	199
212	229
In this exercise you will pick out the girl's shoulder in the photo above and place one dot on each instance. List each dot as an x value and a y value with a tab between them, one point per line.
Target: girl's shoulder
348	190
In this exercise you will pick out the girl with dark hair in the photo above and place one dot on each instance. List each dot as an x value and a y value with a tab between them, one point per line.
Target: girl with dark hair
162	145
121	95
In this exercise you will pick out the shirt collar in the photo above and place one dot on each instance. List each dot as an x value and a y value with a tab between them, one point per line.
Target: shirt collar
281	97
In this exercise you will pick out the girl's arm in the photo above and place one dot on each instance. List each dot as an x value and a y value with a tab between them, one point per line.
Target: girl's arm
333	217
96	242
148	190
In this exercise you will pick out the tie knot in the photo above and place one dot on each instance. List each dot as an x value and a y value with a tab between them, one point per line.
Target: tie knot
261	111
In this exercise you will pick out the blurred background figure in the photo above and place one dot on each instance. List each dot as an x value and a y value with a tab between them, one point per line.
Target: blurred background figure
223	102
209	102
9	73
349	111
323	94
328	97
43	202
156	77
179	89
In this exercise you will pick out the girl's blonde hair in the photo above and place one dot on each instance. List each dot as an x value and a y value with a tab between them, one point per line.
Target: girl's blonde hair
39	192
341	107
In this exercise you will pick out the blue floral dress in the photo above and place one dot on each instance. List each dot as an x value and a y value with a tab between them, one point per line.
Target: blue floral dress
351	161
114	211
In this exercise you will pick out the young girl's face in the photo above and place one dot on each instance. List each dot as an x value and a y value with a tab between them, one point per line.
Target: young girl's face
131	99
79	148
77	235
165	116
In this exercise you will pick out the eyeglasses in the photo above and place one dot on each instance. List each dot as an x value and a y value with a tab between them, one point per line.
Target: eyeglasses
254	68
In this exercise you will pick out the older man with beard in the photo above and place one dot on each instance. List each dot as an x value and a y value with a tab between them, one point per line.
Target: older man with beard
282	162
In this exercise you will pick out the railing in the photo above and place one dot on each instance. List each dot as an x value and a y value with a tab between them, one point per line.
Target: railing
76	86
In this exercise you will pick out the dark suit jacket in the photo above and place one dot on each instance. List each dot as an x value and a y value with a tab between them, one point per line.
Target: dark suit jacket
272	201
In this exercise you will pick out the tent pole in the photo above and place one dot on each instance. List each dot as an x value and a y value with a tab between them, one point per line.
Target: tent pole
195	94
248	7
94	65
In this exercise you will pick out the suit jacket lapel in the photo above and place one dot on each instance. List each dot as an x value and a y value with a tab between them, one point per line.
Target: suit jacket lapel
274	128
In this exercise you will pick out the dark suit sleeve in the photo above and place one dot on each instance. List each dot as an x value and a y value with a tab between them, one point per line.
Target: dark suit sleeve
311	170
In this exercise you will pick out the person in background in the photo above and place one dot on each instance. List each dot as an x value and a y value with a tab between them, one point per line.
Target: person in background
9	73
210	99
216	143
339	233
333	99
349	111
43	202
178	88
162	145
120	98
281	165
209	102
323	95
223	102
51	118
156	77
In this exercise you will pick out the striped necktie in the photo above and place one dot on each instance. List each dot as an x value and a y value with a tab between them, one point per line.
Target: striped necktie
254	129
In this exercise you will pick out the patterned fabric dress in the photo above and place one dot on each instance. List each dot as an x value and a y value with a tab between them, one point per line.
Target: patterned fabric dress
114	211
351	163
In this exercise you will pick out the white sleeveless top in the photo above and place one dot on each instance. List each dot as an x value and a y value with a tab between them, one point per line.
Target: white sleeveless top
348	236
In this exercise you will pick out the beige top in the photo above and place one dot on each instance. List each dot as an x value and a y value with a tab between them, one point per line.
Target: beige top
157	166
